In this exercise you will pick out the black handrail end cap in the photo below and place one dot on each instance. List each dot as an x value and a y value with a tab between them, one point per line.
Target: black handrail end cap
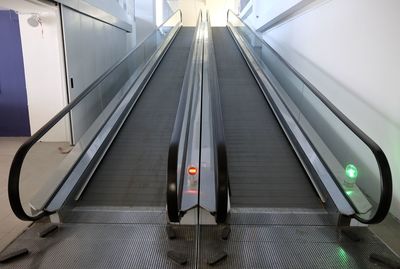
7	257
177	257
385	260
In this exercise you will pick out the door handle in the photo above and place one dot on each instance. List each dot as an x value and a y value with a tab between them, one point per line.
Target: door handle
71	80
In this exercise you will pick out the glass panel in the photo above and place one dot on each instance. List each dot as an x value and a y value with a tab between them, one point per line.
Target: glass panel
50	159
350	161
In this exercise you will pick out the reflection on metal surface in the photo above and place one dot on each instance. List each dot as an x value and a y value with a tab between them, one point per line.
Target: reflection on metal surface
334	138
118	88
86	8
289	126
134	86
192	170
191	182
313	120
351	172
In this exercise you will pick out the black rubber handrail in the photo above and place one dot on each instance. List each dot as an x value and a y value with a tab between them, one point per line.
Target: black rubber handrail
383	164
16	165
220	159
174	188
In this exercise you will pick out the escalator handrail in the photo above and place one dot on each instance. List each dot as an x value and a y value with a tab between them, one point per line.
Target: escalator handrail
381	159
174	189
220	159
18	160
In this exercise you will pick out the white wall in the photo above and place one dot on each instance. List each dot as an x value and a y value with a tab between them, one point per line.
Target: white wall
43	63
265	11
190	10
217	9
145	18
350	51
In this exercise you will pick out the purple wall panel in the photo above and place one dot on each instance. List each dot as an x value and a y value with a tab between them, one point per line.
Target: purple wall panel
14	117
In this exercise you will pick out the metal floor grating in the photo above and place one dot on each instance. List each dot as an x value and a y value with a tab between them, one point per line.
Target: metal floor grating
291	247
146	246
292	217
115	215
103	246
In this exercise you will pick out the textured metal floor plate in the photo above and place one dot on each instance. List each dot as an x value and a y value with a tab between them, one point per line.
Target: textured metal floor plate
290	247
103	246
147	245
131	215
293	217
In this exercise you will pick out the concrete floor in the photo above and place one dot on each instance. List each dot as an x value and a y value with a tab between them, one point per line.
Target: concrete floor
389	232
11	227
37	174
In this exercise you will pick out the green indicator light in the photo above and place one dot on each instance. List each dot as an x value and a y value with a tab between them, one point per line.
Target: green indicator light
349	193
344	258
351	171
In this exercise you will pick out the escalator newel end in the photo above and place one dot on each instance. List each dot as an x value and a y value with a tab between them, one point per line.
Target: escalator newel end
177	257
13	255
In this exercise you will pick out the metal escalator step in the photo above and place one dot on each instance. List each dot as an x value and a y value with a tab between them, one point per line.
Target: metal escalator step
258	150
133	171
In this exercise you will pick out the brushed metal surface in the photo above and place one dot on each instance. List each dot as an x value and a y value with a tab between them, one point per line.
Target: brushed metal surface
103	246
146	246
109	12
290	247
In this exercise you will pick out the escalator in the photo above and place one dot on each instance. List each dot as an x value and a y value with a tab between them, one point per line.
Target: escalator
133	172
264	171
207	150
288	147
106	189
302	177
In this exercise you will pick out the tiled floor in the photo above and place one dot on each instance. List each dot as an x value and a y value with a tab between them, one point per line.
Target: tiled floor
10	226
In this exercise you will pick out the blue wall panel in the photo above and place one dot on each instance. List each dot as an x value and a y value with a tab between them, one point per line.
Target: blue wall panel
14	117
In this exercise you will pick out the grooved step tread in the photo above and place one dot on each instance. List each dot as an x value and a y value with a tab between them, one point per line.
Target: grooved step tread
263	168
133	172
